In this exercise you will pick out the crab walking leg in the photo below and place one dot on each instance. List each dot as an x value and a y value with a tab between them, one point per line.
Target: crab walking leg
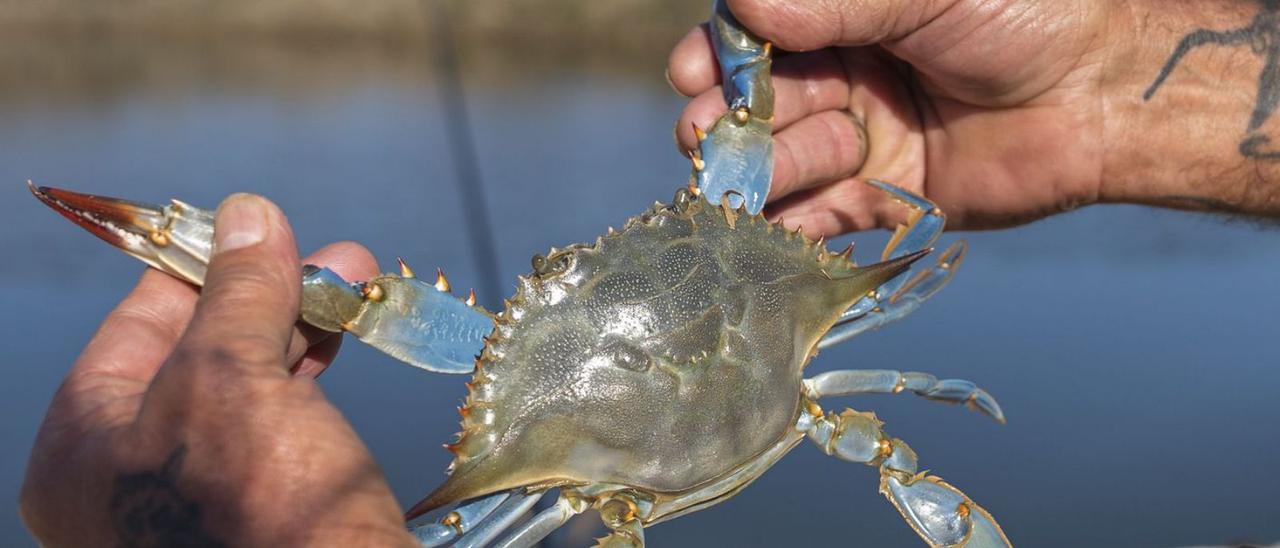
463	519
913	288
938	512
544	523
734	159
905	293
620	511
420	323
499	520
883	381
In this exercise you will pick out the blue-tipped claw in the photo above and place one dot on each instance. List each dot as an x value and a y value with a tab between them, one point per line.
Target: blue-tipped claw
734	159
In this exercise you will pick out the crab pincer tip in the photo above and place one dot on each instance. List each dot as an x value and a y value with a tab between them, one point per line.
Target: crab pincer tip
40	192
122	223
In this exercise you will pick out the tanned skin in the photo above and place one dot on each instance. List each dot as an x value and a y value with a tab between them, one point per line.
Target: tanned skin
1004	112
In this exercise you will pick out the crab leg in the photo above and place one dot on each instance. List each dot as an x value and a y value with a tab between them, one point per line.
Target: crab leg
539	526
461	520
479	520
735	156
938	512
906	292
417	322
500	520
878	381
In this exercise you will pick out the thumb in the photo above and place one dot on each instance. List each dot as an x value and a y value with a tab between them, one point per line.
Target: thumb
249	304
803	25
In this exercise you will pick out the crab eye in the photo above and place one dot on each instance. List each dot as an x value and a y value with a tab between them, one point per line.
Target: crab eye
557	263
627	356
682	200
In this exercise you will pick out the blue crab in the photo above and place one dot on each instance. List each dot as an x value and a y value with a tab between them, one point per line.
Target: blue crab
650	374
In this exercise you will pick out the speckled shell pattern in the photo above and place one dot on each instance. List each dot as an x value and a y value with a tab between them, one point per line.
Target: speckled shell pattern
664	356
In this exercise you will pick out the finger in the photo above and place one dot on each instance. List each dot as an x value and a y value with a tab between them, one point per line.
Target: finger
351	261
691	67
802	85
246	313
318	357
140	332
125	353
828	210
808	25
821	149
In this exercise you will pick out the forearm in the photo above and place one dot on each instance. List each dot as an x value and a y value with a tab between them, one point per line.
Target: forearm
1189	93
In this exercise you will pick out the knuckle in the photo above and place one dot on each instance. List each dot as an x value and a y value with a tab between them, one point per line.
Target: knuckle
228	303
250	350
248	277
144	321
236	291
787	169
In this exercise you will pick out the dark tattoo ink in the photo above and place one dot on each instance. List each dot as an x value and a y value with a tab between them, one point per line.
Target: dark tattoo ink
1263	37
148	511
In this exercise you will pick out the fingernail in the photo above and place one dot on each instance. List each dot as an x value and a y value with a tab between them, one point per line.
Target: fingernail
241	221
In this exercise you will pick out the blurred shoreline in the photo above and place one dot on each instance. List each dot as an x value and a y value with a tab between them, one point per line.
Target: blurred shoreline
584	22
66	51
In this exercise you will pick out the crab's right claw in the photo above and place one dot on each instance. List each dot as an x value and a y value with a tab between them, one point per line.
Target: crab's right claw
734	159
420	323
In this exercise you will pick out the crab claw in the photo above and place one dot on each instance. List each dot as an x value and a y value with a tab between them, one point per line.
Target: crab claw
174	238
405	317
734	160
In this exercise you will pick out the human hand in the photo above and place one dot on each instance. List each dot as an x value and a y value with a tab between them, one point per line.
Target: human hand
992	109
182	424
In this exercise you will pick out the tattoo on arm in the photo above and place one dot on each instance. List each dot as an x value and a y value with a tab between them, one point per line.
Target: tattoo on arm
148	510
1263	37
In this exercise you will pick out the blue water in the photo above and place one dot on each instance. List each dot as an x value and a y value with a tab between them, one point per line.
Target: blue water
1134	350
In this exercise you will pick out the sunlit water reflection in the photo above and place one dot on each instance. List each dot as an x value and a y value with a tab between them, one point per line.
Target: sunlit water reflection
1133	350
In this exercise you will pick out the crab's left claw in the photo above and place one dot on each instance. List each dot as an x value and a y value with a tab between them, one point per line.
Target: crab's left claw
734	159
420	323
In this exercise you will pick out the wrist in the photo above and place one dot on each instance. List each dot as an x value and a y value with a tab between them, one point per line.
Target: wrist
1180	89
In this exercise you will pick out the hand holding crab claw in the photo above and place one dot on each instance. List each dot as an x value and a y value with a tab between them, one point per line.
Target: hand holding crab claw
1003	112
181	424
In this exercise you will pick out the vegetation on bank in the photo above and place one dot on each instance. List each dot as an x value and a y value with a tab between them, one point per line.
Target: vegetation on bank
616	23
